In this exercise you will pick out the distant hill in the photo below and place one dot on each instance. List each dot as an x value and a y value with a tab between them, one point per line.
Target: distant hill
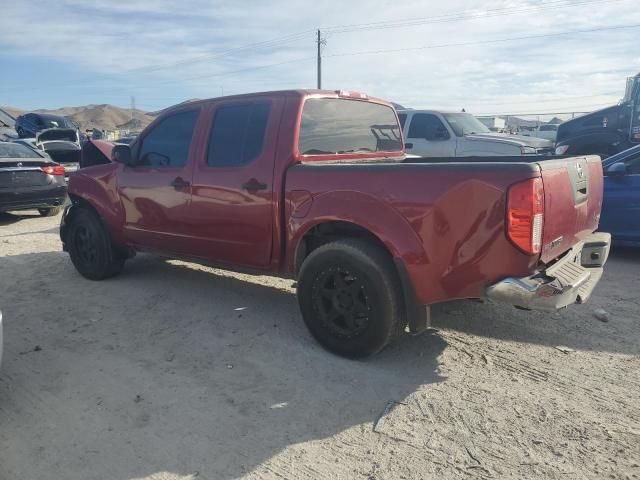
106	117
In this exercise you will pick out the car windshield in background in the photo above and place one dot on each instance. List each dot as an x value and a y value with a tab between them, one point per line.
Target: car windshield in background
14	150
57	122
465	124
335	125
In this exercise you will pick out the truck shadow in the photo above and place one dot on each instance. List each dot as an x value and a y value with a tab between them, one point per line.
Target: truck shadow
175	368
576	327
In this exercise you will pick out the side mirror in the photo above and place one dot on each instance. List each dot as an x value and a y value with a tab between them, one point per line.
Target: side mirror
121	154
617	170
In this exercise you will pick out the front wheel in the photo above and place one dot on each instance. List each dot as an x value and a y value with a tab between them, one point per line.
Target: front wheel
90	247
348	291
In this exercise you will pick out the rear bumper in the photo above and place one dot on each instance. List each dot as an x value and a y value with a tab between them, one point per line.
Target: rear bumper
569	280
25	199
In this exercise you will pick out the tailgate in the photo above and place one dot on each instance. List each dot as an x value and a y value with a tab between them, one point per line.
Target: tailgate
572	202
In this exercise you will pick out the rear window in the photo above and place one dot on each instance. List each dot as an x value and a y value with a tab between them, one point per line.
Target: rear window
548	128
334	125
13	150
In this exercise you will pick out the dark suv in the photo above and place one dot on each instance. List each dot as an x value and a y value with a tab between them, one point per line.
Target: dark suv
29	124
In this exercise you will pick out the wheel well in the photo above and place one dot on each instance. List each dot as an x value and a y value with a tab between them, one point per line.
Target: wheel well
331	231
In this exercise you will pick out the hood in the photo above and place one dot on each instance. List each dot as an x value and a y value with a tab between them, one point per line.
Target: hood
511	139
57	135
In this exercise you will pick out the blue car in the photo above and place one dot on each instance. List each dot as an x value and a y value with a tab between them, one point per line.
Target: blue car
621	205
30	124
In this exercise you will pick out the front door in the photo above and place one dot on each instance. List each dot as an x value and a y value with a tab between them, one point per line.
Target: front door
156	190
621	206
232	214
427	136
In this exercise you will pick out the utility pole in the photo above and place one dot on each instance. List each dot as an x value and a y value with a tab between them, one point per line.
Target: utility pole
319	41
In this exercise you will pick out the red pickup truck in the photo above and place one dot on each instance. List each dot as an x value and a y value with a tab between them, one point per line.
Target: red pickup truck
315	185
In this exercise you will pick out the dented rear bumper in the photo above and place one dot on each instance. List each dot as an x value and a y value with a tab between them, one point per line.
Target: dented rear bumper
571	279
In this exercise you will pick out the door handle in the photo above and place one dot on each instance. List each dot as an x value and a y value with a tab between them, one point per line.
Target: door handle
253	185
408	146
179	183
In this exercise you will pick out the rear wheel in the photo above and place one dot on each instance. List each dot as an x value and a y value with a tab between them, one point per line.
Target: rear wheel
90	247
21	133
349	296
50	212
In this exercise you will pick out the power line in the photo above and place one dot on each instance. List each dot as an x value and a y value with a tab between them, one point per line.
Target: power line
482	42
463	15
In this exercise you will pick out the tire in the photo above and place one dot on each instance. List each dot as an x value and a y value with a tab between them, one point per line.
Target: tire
21	132
90	248
50	212
349	296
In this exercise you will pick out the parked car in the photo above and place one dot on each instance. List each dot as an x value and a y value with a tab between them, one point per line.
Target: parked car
433	133
621	205
62	145
548	131
29	124
606	131
315	185
30	180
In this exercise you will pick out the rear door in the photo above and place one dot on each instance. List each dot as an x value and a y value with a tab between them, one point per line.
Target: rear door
621	206
427	136
156	191
232	211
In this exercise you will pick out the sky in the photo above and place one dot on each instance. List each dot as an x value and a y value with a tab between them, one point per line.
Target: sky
504	56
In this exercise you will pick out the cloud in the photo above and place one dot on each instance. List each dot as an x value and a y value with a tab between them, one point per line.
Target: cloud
159	49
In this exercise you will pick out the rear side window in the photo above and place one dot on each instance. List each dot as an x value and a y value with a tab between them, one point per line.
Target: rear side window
334	125
548	128
167	144
237	135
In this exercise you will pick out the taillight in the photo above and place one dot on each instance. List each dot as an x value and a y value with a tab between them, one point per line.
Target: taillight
53	169
351	94
525	215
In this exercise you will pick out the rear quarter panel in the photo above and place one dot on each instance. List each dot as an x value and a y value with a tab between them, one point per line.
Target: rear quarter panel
445	222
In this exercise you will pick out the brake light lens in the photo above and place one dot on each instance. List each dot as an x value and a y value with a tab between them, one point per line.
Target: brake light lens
53	169
350	94
525	215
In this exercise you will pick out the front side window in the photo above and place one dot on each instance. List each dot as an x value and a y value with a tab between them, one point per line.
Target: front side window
427	126
167	144
237	135
334	126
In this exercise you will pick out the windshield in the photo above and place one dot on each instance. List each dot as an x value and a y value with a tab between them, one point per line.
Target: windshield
57	122
14	150
465	124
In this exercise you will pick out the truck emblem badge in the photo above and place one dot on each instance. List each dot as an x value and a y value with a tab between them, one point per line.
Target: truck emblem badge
579	170
605	121
19	164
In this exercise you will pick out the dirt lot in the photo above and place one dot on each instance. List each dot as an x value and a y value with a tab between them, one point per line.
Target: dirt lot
176	371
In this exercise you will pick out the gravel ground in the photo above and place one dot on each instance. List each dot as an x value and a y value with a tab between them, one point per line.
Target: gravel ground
177	371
